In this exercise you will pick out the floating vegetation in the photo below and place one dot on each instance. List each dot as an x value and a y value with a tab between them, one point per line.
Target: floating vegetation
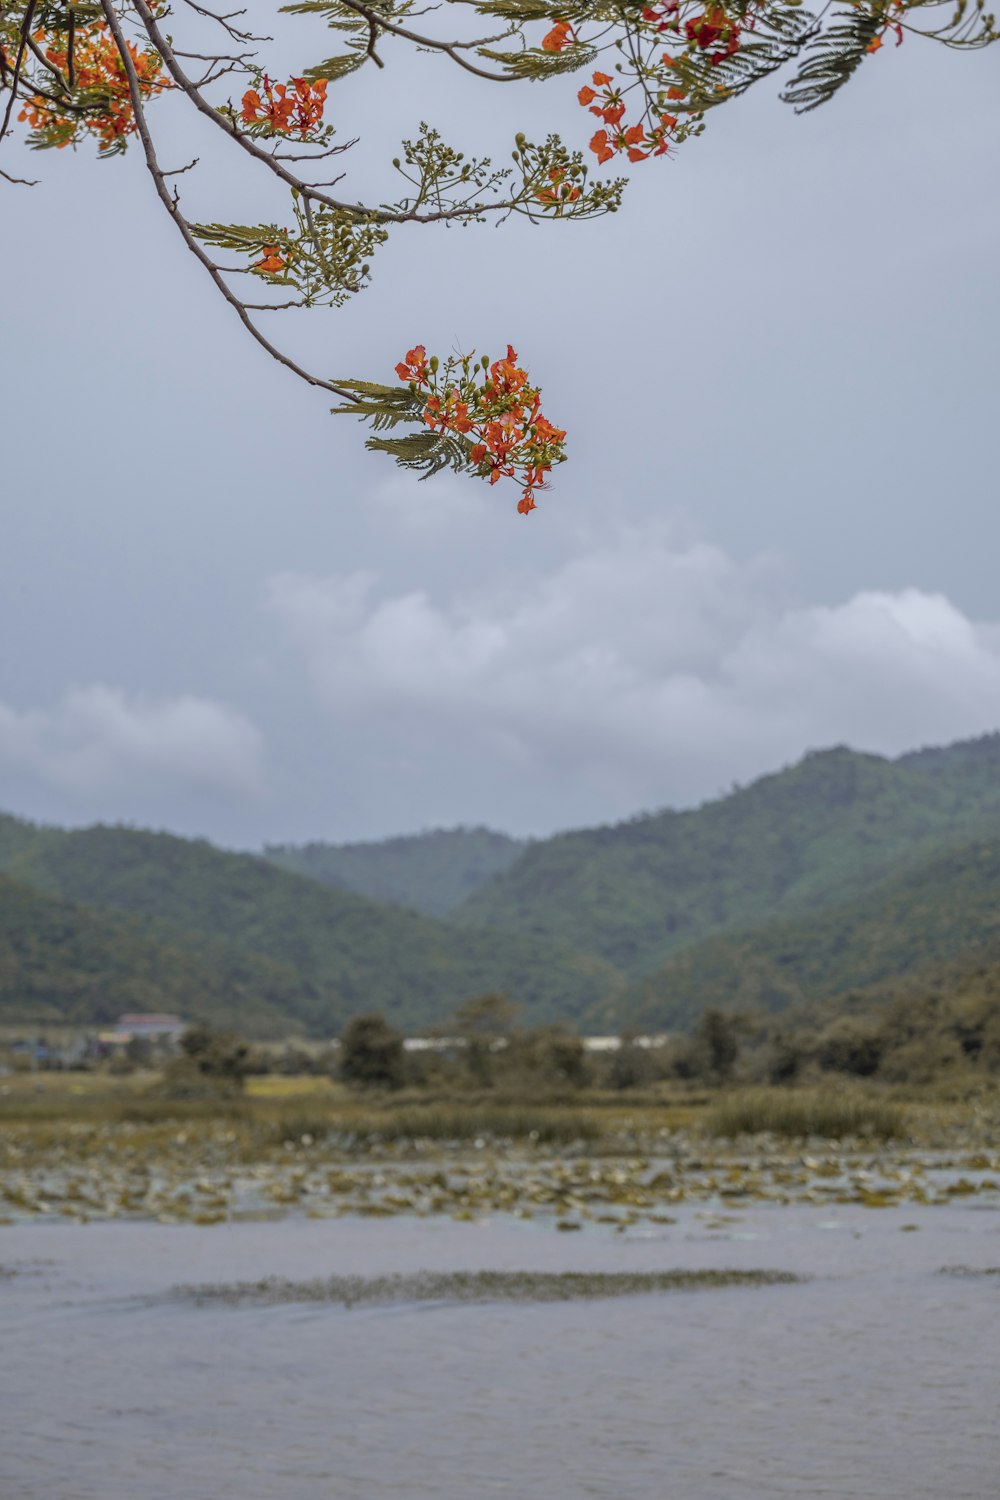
470	1159
477	1286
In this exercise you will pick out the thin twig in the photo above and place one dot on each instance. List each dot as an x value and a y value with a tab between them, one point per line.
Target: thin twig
179	171
372	39
25	33
224	19
19	181
227	123
452	49
170	203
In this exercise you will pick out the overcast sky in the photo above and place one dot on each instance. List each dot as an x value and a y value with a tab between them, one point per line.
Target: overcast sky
779	367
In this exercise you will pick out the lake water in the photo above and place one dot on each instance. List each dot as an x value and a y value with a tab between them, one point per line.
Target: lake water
877	1379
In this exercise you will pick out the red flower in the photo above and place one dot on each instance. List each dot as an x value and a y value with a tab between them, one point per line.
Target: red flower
711	27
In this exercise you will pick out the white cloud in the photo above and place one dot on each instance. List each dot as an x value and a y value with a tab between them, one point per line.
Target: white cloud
643	672
98	740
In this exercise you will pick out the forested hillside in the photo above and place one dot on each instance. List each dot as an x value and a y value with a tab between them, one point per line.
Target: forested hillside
430	872
347	953
60	961
799	841
843	871
946	909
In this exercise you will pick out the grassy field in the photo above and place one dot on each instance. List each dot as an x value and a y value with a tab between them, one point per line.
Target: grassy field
852	1109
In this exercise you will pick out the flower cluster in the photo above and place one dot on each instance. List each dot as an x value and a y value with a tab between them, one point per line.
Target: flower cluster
495	410
703	38
637	141
561	192
97	70
286	108
713	29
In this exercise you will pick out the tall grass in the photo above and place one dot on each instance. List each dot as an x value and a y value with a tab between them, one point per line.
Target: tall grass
797	1115
458	1121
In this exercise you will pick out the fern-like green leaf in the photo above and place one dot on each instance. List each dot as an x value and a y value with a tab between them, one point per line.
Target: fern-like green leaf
776	39
382	405
429	451
538	65
337	67
832	58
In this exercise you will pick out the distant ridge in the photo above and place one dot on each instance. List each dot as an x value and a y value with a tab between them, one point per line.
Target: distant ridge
429	872
802	839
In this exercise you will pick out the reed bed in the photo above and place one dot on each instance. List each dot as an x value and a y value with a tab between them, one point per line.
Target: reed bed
821	1113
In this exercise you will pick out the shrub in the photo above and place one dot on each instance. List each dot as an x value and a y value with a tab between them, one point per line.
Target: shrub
371	1053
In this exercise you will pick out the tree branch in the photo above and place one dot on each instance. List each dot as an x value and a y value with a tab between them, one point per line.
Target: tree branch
170	203
25	34
229	127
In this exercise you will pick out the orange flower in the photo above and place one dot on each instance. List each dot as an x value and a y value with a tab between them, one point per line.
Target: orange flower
601	146
460	421
609	106
414	367
545	430
560	192
560	37
271	262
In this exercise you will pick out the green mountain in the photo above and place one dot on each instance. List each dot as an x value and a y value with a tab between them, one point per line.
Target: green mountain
946	909
841	872
430	872
796	842
343	953
63	962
